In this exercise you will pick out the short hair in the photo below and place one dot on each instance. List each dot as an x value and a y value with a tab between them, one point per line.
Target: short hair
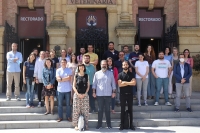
83	66
35	49
125	46
87	56
42	52
64	60
48	59
121	52
181	54
141	54
109	58
125	62
136	44
161	52
15	43
103	61
111	42
75	58
90	45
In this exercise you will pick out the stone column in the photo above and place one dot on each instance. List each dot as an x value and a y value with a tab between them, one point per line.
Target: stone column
1	58
125	30
57	30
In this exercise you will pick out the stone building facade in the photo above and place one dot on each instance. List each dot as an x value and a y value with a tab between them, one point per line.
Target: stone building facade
122	22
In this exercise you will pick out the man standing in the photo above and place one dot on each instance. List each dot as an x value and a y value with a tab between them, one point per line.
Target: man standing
93	57
14	59
133	57
111	52
161	69
69	52
126	52
126	83
47	54
104	88
63	76
80	57
182	72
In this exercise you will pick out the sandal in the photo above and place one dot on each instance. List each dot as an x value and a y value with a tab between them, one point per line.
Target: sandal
46	113
52	113
113	111
76	128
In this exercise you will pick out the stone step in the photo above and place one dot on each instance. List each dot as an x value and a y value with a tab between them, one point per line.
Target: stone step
136	115
23	109
13	102
93	123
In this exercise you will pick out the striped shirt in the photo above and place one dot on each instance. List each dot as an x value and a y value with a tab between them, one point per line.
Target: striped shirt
104	83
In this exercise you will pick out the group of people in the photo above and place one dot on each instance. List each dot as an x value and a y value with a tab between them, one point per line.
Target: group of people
123	75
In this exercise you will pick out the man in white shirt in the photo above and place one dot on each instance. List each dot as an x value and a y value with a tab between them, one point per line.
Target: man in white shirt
161	70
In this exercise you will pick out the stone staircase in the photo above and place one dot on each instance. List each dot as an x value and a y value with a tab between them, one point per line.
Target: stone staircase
14	114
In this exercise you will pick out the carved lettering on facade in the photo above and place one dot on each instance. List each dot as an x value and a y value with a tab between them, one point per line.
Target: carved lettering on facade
92	2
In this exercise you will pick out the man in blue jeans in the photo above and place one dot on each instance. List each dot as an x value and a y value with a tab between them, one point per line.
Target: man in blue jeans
161	70
63	76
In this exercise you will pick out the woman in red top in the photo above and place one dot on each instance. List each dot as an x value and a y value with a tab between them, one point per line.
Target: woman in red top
189	60
115	73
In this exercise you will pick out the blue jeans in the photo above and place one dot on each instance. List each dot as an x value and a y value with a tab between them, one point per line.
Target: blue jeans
104	104
151	88
29	92
134	87
91	99
162	82
61	96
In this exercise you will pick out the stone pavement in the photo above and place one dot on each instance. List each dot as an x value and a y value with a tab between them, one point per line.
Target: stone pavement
172	129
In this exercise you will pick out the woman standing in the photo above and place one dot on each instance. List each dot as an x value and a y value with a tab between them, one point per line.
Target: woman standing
115	73
54	59
175	61
81	86
168	56
189	60
142	70
149	56
28	79
48	77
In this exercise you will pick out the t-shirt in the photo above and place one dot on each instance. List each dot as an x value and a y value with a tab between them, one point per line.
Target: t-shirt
118	65
81	83
60	58
142	68
161	68
114	55
168	57
93	56
29	68
64	86
134	57
126	77
55	61
126	56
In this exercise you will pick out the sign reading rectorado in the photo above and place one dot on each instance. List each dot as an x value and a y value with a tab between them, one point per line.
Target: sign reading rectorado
92	2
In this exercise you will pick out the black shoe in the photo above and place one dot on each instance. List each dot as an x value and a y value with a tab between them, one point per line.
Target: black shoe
132	127
109	127
176	110
189	109
121	128
98	127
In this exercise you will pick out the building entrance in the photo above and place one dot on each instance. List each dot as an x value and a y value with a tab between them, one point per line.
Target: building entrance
156	43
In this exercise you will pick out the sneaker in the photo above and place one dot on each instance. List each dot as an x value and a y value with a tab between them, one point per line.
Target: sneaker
156	104
98	127
121	128
109	127
176	110
17	98
134	97
8	99
36	97
132	127
139	105
39	104
145	104
189	109
28	106
168	104
55	99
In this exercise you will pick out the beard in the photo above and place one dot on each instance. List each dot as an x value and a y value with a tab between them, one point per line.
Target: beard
87	62
103	68
111	48
161	58
126	68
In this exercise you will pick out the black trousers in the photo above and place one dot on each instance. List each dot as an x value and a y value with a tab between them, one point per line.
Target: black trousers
129	99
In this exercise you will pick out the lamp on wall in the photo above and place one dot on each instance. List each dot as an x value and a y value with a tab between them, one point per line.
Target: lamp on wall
152	39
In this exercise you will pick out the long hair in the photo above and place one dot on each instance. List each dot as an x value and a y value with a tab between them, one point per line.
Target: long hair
33	55
109	58
169	50
152	51
46	61
73	54
188	52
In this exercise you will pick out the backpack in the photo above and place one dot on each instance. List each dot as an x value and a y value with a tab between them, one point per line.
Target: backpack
126	120
81	123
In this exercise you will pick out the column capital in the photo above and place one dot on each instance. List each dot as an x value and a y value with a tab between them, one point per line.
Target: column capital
30	4
151	4
111	9
71	8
